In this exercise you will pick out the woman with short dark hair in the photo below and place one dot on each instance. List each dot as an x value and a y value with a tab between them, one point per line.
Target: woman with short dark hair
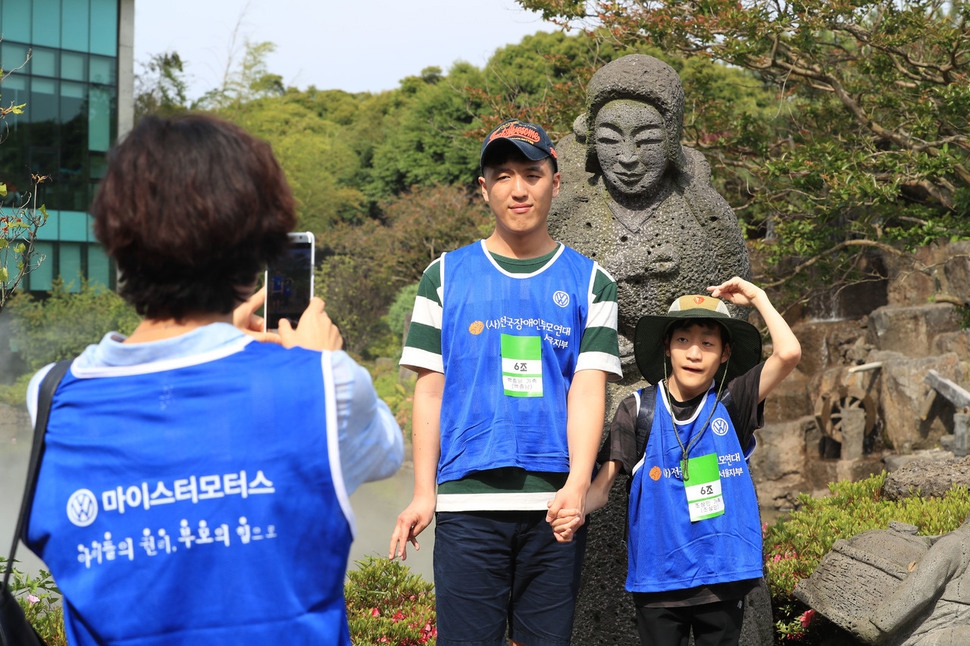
191	209
195	483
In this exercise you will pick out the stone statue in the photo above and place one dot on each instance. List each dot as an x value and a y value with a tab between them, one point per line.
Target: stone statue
893	587
636	200
641	204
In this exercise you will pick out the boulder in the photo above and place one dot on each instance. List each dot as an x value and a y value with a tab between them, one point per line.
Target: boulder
930	478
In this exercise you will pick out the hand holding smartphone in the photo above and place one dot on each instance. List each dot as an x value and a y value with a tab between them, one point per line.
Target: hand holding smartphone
289	281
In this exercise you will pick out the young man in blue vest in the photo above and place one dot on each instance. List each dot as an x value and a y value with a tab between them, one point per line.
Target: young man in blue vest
513	338
694	547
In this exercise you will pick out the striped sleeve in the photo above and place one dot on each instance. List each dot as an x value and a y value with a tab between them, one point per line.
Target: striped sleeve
422	349
599	349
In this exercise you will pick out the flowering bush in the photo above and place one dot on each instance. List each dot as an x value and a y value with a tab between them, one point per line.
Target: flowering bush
40	599
795	545
386	604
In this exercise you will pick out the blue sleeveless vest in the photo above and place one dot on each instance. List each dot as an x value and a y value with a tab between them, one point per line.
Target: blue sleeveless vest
197	502
482	427
666	550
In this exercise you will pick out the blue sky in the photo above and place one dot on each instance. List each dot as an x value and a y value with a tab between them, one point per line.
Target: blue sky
354	46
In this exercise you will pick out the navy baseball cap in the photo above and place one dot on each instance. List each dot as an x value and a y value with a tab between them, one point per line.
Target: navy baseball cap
529	138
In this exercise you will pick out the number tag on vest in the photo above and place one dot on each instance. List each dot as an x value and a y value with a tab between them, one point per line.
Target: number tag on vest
522	365
704	499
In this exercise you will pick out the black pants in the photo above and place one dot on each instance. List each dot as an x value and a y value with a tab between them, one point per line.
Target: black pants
714	624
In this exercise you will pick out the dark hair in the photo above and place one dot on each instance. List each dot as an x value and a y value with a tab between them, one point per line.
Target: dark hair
191	208
502	151
707	324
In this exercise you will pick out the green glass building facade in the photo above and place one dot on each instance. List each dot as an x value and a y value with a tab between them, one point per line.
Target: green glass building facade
77	84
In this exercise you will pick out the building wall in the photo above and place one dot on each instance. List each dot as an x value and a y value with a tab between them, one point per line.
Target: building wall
71	63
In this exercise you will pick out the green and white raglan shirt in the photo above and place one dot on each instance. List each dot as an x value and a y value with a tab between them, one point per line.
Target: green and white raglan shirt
509	335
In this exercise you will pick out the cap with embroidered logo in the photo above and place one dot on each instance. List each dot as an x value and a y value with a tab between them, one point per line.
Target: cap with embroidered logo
531	140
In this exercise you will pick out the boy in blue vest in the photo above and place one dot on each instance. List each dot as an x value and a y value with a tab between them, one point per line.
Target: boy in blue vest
694	547
513	338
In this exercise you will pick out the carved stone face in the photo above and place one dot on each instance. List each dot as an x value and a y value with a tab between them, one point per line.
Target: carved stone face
629	140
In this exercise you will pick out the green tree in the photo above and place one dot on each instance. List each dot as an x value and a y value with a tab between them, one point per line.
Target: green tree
427	140
19	223
874	151
729	113
245	79
20	216
320	165
366	265
542	79
161	86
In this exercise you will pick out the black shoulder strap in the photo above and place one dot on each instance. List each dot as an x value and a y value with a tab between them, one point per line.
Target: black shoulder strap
648	400
44	396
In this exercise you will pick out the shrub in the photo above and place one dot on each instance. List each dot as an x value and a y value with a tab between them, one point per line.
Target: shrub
795	545
62	325
397	394
386	604
15	394
40	599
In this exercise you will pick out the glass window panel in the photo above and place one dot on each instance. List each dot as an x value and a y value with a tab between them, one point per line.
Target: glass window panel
43	62
13	90
104	27
15	20
44	160
97	164
74	18
71	178
42	105
13	55
41	276
46	23
11	84
99	119
73	90
99	267
72	66
48	230
69	264
14	198
73	226
102	70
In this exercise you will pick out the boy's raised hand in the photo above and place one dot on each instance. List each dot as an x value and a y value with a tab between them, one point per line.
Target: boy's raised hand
737	291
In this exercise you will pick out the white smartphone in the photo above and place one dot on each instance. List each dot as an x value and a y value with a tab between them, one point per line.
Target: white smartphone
289	281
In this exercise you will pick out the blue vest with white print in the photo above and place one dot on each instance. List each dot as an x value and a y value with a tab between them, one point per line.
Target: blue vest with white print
482	426
197	502
666	550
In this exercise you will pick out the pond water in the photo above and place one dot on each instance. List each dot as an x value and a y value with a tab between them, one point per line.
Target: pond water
376	506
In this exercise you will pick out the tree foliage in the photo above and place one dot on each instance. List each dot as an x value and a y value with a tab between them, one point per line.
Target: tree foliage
245	79
321	167
161	87
366	265
729	113
874	146
63	324
19	223
542	79
20	217
426	134
383	179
